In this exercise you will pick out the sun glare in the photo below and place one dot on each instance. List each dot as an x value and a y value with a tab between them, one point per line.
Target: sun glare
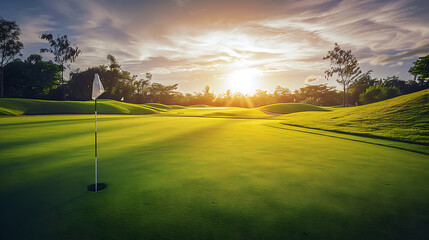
244	80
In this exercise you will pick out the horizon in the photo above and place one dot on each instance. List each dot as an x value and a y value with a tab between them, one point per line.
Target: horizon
199	43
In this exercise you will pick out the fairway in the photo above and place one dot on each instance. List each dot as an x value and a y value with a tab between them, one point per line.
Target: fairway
174	177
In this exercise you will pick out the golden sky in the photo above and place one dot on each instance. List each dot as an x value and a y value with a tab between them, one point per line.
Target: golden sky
223	43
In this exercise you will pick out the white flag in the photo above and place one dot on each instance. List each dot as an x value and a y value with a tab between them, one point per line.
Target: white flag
97	87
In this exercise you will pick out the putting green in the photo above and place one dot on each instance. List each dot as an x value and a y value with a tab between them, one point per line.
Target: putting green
175	177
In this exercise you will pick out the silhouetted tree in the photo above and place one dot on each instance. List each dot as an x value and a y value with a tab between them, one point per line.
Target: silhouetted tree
165	94
345	66
141	87
208	96
420	70
113	63
34	58
117	84
321	94
10	46
63	51
283	95
33	78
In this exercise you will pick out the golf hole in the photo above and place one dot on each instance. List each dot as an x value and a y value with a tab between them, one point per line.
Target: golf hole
100	186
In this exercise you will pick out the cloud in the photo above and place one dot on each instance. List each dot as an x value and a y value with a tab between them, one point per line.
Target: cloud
421	48
32	28
315	79
181	3
172	38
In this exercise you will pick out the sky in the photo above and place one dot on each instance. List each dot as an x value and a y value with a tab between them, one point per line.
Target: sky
226	44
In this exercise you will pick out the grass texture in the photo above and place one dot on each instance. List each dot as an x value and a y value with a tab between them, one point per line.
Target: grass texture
173	177
16	106
286	108
404	118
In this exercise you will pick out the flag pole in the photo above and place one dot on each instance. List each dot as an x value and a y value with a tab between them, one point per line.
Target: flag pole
97	90
95	145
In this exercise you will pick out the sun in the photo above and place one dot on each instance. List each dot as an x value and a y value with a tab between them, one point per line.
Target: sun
244	80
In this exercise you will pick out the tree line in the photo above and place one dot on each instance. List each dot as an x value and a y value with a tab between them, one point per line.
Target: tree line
36	78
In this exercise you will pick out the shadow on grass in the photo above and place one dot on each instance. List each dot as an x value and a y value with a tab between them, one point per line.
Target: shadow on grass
62	121
345	138
359	134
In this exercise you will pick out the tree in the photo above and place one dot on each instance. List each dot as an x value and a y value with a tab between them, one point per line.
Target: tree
32	78
378	93
117	84
165	94
321	94
420	70
208	96
344	66
63	51
113	63
34	58
141	87
282	94
360	85
10	46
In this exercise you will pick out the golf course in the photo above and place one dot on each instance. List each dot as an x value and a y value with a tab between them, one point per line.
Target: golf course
283	171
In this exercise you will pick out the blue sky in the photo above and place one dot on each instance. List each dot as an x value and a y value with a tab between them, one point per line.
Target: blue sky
197	43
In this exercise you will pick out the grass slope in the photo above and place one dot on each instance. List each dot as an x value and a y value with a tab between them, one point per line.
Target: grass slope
199	106
285	108
16	106
203	178
404	118
158	105
162	107
219	112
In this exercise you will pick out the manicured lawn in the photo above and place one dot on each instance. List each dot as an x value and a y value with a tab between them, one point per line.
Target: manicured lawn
404	118
172	177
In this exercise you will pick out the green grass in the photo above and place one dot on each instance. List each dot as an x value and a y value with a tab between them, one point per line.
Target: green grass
404	118
286	108
161	107
199	106
152	107
176	107
213	173
204	178
219	112
158	105
16	106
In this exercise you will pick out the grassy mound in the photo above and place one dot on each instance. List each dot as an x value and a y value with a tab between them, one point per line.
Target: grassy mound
161	107
404	118
219	112
152	107
176	107
16	106
158	105
285	108
199	105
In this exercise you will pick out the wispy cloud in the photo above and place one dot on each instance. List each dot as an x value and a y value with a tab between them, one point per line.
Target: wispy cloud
171	38
33	27
422	48
315	79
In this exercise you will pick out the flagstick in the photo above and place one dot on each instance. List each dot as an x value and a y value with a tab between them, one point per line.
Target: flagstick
96	145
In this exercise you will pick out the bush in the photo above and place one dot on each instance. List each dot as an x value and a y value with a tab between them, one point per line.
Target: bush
378	93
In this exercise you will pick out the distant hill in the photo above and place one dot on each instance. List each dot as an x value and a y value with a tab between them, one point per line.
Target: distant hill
285	108
404	118
18	106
